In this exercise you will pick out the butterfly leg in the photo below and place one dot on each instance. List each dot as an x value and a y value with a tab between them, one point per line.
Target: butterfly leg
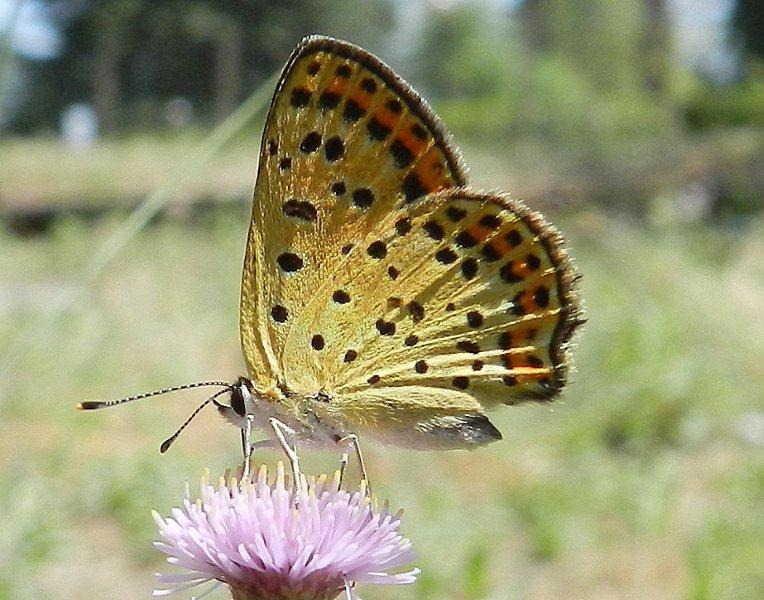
291	451
246	445
344	459
353	440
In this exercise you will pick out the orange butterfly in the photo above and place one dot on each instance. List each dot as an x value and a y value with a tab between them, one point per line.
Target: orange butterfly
382	297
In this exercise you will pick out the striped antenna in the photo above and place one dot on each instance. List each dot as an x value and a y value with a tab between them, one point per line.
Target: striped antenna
96	404
169	441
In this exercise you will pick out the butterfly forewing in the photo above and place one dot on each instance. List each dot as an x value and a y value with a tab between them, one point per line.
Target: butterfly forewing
345	142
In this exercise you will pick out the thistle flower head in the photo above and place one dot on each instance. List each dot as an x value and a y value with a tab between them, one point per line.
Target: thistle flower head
255	539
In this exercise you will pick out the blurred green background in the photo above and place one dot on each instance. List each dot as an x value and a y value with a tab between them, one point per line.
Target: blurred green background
128	147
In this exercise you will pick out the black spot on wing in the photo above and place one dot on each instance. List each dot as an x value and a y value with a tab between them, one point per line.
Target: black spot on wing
490	254
490	221
411	340
533	262
377	250
300	97
369	85
352	112
412	187
455	214
341	297
465	240
329	100
403	226
394	106
317	341
434	230
416	311
514	238
279	313
334	149
507	273
311	142
402	156
377	131
419	131
290	262
339	188
446	256
468	346
300	210
469	268
474	319
385	327
541	296
461	383
363	197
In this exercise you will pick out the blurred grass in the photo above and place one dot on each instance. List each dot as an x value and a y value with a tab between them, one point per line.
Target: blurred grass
645	481
41	172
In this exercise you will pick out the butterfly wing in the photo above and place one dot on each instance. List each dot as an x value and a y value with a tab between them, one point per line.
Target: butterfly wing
480	312
345	141
371	275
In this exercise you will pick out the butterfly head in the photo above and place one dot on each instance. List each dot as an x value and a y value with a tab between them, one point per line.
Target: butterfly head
242	403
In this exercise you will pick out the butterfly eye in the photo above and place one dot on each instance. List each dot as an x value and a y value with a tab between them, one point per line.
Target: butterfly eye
237	401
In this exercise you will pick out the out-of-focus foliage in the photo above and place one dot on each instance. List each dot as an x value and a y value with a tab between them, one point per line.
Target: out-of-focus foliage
748	20
571	73
129	57
741	104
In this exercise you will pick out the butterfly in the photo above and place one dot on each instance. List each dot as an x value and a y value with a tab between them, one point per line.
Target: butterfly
382	297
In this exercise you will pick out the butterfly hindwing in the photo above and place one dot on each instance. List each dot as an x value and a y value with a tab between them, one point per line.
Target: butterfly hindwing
482	302
346	140
480	312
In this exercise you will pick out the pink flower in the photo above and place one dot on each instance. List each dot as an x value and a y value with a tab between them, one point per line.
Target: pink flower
254	539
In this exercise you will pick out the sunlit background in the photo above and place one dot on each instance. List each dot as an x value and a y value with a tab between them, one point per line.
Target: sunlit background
129	135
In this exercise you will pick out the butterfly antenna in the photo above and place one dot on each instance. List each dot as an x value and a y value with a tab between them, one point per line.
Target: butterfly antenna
169	441
96	404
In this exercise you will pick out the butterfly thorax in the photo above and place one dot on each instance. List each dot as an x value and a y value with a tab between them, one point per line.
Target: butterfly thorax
305	413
